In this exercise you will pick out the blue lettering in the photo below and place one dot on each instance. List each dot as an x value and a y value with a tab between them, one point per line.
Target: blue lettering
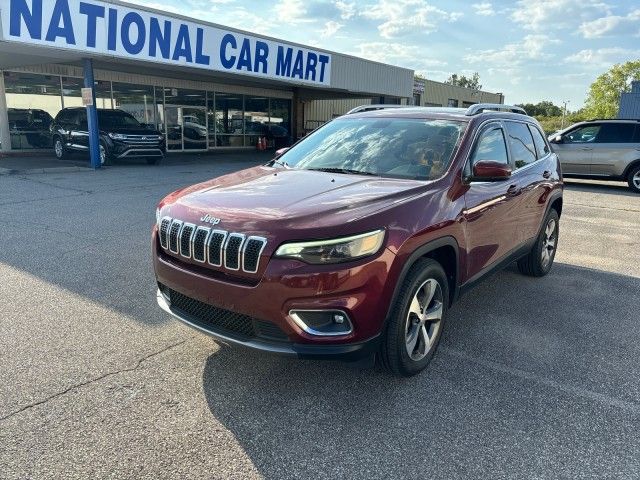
201	58
283	62
244	61
262	52
183	45
312	61
324	59
61	12
93	12
298	65
112	29
18	10
159	39
227	40
130	18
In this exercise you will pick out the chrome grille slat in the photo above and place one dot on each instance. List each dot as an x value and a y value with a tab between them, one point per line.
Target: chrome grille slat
218	248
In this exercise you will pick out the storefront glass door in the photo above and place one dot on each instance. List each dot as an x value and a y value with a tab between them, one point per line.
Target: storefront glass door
186	128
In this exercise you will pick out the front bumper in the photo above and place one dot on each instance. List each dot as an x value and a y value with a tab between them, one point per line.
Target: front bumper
345	352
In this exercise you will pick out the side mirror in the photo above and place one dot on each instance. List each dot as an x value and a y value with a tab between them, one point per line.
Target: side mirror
281	151
557	139
488	171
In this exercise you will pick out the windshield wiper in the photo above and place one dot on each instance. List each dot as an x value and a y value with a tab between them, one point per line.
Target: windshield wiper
342	170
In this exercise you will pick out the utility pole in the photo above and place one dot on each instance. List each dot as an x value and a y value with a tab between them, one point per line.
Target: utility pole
564	113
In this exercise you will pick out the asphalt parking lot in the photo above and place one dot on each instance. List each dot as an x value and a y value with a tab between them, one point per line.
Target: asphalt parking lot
535	378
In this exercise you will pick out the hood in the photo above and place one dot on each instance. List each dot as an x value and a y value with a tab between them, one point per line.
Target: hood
133	131
263	200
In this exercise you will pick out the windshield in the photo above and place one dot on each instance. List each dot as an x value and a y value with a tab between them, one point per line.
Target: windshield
115	119
389	147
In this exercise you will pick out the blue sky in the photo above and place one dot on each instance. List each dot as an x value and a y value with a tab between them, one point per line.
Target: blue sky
529	50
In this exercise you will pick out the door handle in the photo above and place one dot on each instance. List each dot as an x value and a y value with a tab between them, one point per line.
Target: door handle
546	174
513	190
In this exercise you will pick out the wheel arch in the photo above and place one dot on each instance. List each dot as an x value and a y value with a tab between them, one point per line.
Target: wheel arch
630	167
444	250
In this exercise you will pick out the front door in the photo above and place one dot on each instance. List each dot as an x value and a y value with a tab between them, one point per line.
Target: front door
612	147
491	216
186	128
576	149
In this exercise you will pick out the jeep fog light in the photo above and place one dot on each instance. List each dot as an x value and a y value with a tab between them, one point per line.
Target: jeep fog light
327	323
335	250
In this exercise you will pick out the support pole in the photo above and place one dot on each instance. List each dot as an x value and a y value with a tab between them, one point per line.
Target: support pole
92	115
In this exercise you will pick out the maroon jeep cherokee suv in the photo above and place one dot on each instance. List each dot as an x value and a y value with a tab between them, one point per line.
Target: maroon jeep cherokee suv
357	240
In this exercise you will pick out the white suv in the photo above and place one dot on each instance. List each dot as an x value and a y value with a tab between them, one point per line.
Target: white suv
603	149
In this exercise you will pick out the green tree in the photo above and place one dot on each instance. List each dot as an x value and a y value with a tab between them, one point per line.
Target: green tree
603	99
542	109
472	82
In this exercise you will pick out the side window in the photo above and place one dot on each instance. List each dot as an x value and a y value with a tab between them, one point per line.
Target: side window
521	143
542	148
490	146
82	123
616	133
636	139
582	135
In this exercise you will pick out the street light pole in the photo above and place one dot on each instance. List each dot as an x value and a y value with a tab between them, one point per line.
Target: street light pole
564	113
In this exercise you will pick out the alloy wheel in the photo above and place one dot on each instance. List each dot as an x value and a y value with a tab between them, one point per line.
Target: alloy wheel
57	147
424	319
103	154
549	242
636	180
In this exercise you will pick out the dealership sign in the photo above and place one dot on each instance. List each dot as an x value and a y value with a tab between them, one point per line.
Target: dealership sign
96	27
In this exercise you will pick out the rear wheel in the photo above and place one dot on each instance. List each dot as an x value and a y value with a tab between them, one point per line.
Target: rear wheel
539	260
59	149
416	320
634	179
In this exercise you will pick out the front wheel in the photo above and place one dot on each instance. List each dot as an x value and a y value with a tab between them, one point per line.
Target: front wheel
634	179
539	260
105	157
154	160
415	324
59	149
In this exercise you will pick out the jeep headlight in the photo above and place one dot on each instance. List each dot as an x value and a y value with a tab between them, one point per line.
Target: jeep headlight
117	136
335	250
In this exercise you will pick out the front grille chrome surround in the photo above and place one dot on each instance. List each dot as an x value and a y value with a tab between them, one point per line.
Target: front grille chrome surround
218	248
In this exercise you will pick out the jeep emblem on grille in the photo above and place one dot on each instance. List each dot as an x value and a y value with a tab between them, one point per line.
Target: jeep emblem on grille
209	219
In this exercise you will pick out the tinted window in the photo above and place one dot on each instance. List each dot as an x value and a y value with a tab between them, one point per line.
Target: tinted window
118	119
394	147
491	146
521	143
582	135
616	133
541	146
637	137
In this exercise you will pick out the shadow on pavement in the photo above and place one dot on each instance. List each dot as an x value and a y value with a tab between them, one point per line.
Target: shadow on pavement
613	188
534	378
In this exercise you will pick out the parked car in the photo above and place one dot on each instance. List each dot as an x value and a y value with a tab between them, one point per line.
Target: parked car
277	136
602	149
356	240
29	128
121	136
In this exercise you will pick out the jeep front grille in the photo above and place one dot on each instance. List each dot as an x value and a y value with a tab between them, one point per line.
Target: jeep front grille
218	248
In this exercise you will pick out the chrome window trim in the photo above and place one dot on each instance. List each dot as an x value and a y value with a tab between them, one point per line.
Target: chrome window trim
221	251
193	230
244	248
165	245
175	222
205	246
242	238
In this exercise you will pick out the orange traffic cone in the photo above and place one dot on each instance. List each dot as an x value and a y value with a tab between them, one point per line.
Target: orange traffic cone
259	144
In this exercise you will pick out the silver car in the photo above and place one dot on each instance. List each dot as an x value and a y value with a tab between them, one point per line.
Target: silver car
602	149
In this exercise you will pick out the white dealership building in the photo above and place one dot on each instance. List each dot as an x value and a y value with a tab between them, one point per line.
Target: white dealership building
168	71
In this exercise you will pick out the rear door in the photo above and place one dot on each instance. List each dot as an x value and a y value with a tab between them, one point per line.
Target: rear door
576	149
613	149
81	132
490	212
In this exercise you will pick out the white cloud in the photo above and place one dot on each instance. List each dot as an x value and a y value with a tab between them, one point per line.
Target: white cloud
532	47
612	25
544	14
400	17
602	58
484	9
347	9
330	28
291	12
410	56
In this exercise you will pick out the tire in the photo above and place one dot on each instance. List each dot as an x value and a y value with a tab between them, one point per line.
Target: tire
105	157
154	160
536	263
633	179
426	279
59	150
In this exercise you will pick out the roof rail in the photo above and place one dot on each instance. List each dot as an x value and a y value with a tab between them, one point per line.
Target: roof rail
367	108
481	107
